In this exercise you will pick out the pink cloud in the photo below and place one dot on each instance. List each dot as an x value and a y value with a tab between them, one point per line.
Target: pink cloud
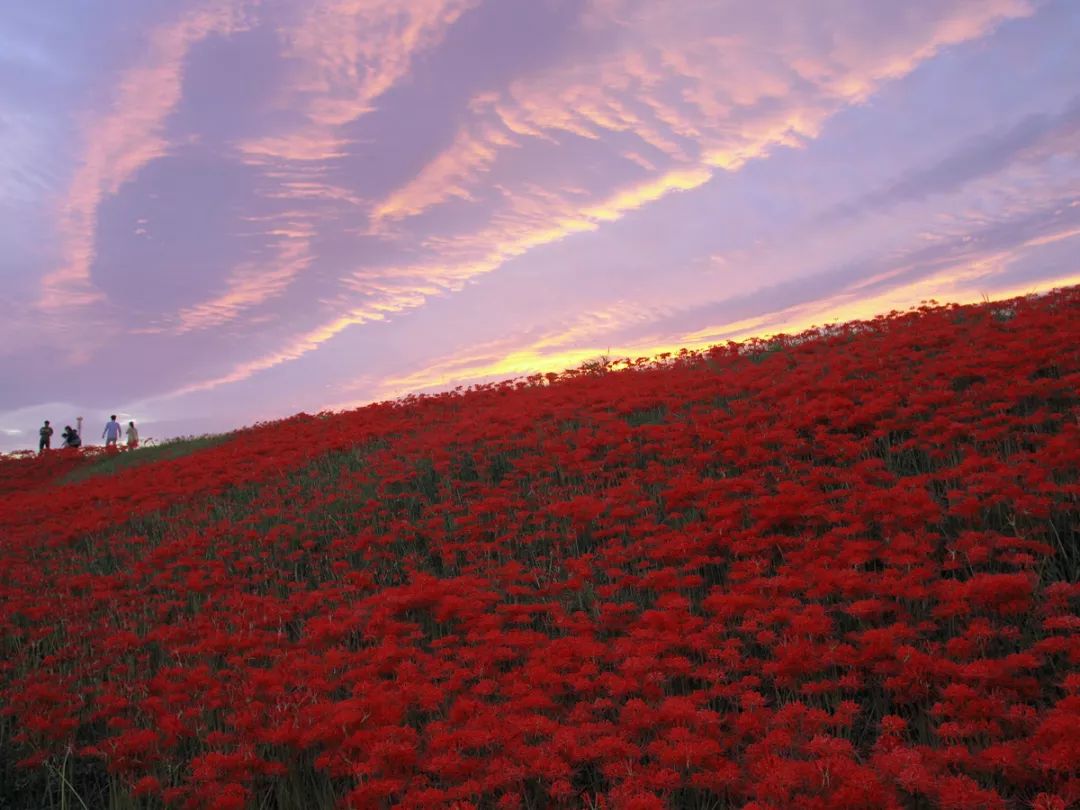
688	92
255	282
120	142
697	89
344	55
590	335
449	175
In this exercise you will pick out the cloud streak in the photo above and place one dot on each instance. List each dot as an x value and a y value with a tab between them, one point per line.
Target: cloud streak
273	197
345	55
123	140
978	157
736	110
255	282
604	334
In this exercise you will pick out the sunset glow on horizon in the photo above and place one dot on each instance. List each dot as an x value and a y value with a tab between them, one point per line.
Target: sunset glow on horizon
216	212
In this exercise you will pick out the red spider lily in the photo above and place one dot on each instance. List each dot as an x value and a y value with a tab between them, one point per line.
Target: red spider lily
765	575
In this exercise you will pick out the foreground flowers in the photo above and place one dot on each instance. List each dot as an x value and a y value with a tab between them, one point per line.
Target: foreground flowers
838	570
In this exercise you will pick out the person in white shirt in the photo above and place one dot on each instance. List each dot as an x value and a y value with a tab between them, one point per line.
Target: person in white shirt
111	434
132	436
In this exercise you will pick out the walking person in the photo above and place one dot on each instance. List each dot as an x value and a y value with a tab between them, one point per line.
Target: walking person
132	436
111	434
45	442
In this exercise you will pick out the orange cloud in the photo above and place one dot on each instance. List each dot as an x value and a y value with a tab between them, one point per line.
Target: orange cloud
968	282
641	194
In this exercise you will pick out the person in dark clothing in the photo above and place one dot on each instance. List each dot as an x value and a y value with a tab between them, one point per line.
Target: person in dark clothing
46	432
71	437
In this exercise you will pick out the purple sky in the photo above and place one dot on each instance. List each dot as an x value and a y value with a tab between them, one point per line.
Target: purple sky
214	213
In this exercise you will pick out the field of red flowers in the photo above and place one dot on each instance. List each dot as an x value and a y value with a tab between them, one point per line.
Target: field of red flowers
837	570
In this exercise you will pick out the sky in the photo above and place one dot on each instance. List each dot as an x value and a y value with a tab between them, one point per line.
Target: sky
219	212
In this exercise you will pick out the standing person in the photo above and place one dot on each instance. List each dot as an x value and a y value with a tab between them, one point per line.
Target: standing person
45	442
132	436
111	434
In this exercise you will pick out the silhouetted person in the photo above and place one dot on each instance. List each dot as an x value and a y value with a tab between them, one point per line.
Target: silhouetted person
132	436
111	434
71	437
45	433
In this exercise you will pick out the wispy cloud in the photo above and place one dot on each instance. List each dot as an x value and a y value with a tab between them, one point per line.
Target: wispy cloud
1032	137
604	333
449	175
297	347
121	141
255	282
344	55
340	180
674	84
697	87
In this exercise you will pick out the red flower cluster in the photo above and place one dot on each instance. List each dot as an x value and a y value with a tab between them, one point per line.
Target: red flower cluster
832	570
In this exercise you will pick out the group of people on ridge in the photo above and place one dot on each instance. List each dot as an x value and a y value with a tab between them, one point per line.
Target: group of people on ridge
71	437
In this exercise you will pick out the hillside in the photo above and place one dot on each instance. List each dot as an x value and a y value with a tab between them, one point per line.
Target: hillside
833	570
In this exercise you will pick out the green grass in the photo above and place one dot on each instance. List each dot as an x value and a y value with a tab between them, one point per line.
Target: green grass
767	350
111	463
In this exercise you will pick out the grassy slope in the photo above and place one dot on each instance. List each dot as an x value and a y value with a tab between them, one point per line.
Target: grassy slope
109	463
357	508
